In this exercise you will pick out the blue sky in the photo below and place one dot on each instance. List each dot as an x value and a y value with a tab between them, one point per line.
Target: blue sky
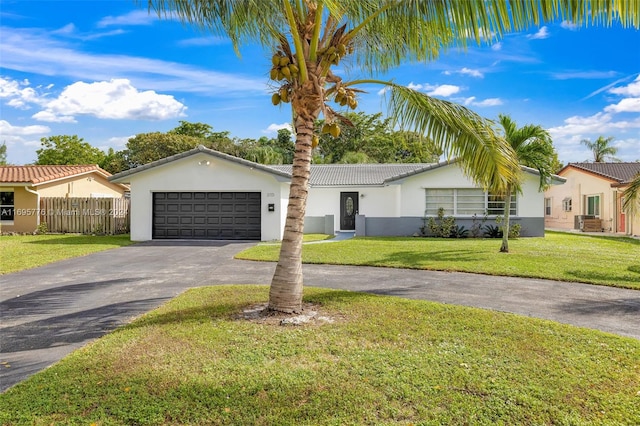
107	70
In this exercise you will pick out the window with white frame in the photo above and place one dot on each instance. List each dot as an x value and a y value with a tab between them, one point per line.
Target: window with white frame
593	205
566	204
7	206
466	202
547	206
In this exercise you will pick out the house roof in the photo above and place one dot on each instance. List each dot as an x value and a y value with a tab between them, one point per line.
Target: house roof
321	174
359	174
123	176
36	175
622	173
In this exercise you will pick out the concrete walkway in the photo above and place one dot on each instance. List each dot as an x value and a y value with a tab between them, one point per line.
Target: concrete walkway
47	312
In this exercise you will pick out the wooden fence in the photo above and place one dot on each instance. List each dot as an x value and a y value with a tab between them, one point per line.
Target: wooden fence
85	215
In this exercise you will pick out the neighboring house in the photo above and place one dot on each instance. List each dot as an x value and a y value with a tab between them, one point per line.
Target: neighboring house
205	194
22	187
592	194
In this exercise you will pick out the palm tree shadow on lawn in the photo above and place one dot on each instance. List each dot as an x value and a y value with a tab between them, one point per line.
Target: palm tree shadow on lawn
417	260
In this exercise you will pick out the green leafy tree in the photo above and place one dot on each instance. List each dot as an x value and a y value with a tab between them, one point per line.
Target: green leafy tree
533	148
65	149
197	130
309	39
115	161
3	154
147	147
601	149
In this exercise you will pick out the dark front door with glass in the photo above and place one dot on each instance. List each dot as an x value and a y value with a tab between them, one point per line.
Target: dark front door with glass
348	210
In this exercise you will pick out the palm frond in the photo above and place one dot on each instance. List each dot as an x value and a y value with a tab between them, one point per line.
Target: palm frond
632	196
460	133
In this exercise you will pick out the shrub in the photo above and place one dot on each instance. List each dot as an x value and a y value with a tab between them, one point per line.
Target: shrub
440	226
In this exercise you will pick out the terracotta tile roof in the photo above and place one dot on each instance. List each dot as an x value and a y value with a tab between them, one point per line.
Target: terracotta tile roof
620	172
42	174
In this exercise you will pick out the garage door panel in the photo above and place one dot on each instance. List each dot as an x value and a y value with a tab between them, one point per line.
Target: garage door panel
207	215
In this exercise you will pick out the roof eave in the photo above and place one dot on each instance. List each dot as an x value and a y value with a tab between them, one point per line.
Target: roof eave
122	176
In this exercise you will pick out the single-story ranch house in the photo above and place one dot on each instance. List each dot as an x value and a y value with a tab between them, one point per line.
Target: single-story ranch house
205	194
592	198
22	187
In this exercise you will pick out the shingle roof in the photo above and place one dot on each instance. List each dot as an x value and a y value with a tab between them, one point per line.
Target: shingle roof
42	174
620	172
358	174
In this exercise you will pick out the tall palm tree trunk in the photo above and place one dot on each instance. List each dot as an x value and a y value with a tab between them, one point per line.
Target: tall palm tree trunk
285	294
505	223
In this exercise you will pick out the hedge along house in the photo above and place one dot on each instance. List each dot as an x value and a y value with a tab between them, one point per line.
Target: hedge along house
205	194
22	188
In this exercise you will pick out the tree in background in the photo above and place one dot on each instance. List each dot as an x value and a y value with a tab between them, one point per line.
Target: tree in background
3	154
372	139
533	147
601	149
65	149
309	39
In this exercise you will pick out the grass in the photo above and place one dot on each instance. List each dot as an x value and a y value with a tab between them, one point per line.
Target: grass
29	251
611	261
384	360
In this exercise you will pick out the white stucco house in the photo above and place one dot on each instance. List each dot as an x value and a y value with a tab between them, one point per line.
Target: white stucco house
205	194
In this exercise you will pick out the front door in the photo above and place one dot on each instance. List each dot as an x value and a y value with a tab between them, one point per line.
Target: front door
348	210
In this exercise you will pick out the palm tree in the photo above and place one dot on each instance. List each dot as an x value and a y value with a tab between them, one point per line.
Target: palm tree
309	38
601	149
632	196
533	148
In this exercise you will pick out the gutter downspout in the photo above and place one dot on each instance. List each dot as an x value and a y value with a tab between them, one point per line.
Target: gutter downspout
37	204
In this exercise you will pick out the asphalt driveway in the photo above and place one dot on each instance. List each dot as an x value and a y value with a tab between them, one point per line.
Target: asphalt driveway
47	312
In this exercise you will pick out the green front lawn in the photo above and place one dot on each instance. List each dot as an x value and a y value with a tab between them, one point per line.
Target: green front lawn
384	360
28	251
561	256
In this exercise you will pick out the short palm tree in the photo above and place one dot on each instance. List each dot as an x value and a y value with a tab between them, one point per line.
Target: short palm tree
601	149
533	148
310	38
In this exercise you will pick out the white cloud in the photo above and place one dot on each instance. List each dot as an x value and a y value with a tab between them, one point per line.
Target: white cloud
625	105
586	75
135	17
471	72
383	91
6	129
21	140
18	94
33	51
489	102
114	99
542	33
632	89
204	41
497	46
273	128
119	141
443	90
568	25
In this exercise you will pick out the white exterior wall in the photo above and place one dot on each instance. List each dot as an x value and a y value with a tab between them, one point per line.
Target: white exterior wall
578	186
186	174
530	203
373	201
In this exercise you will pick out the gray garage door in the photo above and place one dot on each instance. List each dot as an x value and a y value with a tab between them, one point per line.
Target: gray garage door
206	215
